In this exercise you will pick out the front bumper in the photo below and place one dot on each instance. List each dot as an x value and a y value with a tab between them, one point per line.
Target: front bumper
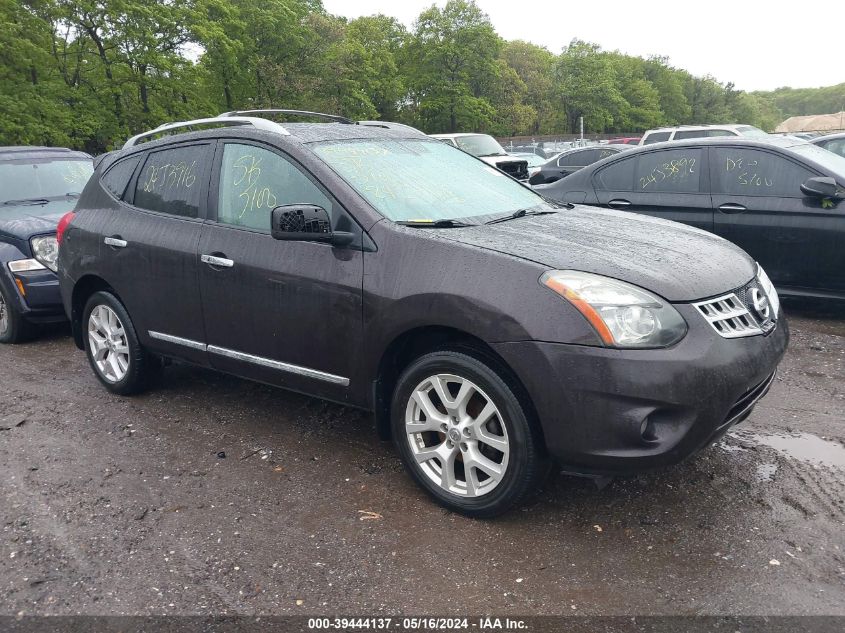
41	301
608	411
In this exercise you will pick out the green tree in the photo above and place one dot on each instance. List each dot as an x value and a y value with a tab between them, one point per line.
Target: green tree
451	59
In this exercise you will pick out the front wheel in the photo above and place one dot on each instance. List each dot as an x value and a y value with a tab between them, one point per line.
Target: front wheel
464	436
111	344
13	327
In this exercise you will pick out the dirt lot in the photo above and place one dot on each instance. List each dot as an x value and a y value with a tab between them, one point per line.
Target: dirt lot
128	506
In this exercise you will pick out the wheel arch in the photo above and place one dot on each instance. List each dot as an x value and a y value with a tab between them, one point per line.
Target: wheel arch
413	343
82	291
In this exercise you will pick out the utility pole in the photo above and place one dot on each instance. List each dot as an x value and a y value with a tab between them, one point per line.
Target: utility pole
581	139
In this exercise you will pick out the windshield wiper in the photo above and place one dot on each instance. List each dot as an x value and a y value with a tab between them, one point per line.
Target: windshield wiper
520	213
72	194
27	201
435	224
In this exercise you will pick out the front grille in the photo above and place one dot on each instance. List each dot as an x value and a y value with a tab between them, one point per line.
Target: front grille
745	403
729	316
516	168
734	315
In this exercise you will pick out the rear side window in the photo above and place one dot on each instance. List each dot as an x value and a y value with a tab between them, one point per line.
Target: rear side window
573	159
657	137
171	180
753	172
836	146
119	174
676	171
254	180
618	176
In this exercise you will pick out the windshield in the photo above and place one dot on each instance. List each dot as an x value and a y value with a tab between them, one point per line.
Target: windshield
480	145
34	179
751	131
409	179
827	159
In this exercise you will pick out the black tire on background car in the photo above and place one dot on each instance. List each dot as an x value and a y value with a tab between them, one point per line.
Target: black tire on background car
111	344
13	327
451	409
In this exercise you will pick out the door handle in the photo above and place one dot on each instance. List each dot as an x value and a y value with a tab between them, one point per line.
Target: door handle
619	203
214	260
115	242
732	208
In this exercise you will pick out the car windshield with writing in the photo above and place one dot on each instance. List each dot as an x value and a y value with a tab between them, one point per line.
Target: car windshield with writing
34	182
480	145
407	180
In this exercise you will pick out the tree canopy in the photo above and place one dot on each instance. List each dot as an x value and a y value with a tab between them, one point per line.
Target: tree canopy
88	73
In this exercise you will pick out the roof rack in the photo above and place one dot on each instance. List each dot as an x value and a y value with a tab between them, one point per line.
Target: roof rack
389	125
230	119
331	117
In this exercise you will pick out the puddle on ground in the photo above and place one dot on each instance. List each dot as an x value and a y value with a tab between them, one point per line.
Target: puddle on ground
801	446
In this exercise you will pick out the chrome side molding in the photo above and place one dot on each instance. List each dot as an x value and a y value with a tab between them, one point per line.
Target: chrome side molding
251	358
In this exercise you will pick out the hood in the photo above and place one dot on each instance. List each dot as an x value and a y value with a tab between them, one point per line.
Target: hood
23	221
677	262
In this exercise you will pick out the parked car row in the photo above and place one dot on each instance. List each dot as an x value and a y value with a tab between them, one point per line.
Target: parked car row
777	198
488	328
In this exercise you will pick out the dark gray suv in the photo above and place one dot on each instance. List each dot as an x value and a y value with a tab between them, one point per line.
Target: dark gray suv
487	329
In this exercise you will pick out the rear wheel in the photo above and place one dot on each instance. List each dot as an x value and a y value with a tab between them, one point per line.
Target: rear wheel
464	436
111	344
13	327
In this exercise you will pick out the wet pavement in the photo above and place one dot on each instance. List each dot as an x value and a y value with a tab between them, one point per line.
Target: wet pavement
216	495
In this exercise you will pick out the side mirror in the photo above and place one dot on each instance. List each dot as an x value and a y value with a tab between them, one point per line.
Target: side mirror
821	187
306	223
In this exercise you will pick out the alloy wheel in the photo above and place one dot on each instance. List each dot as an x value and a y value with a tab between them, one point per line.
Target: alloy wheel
457	435
108	343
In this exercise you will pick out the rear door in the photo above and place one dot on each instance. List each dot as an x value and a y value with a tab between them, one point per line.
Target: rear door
665	183
759	206
150	248
283	312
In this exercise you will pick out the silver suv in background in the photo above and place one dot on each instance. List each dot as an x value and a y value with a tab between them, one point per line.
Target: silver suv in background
683	132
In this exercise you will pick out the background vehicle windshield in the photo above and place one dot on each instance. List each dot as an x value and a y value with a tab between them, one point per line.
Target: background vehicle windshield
751	131
412	179
480	145
827	159
42	178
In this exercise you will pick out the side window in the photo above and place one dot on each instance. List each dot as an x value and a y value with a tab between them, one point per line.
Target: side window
682	134
753	172
571	159
119	174
254	180
676	171
171	180
656	137
604	153
618	176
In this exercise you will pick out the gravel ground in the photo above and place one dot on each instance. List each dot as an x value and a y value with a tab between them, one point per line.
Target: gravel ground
215	495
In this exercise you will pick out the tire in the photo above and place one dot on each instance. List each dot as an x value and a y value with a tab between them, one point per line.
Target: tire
119	361
13	327
493	456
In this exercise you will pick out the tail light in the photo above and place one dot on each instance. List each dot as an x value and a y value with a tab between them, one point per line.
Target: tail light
67	218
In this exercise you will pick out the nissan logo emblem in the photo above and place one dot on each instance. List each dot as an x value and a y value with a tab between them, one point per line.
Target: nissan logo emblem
760	303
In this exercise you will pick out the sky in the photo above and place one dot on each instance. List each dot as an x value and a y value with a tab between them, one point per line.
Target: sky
756	44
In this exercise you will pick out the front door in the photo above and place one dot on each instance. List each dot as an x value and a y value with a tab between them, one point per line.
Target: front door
759	206
669	184
286	313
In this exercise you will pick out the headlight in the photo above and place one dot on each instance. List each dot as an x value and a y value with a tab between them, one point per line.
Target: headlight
623	315
46	250
769	289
